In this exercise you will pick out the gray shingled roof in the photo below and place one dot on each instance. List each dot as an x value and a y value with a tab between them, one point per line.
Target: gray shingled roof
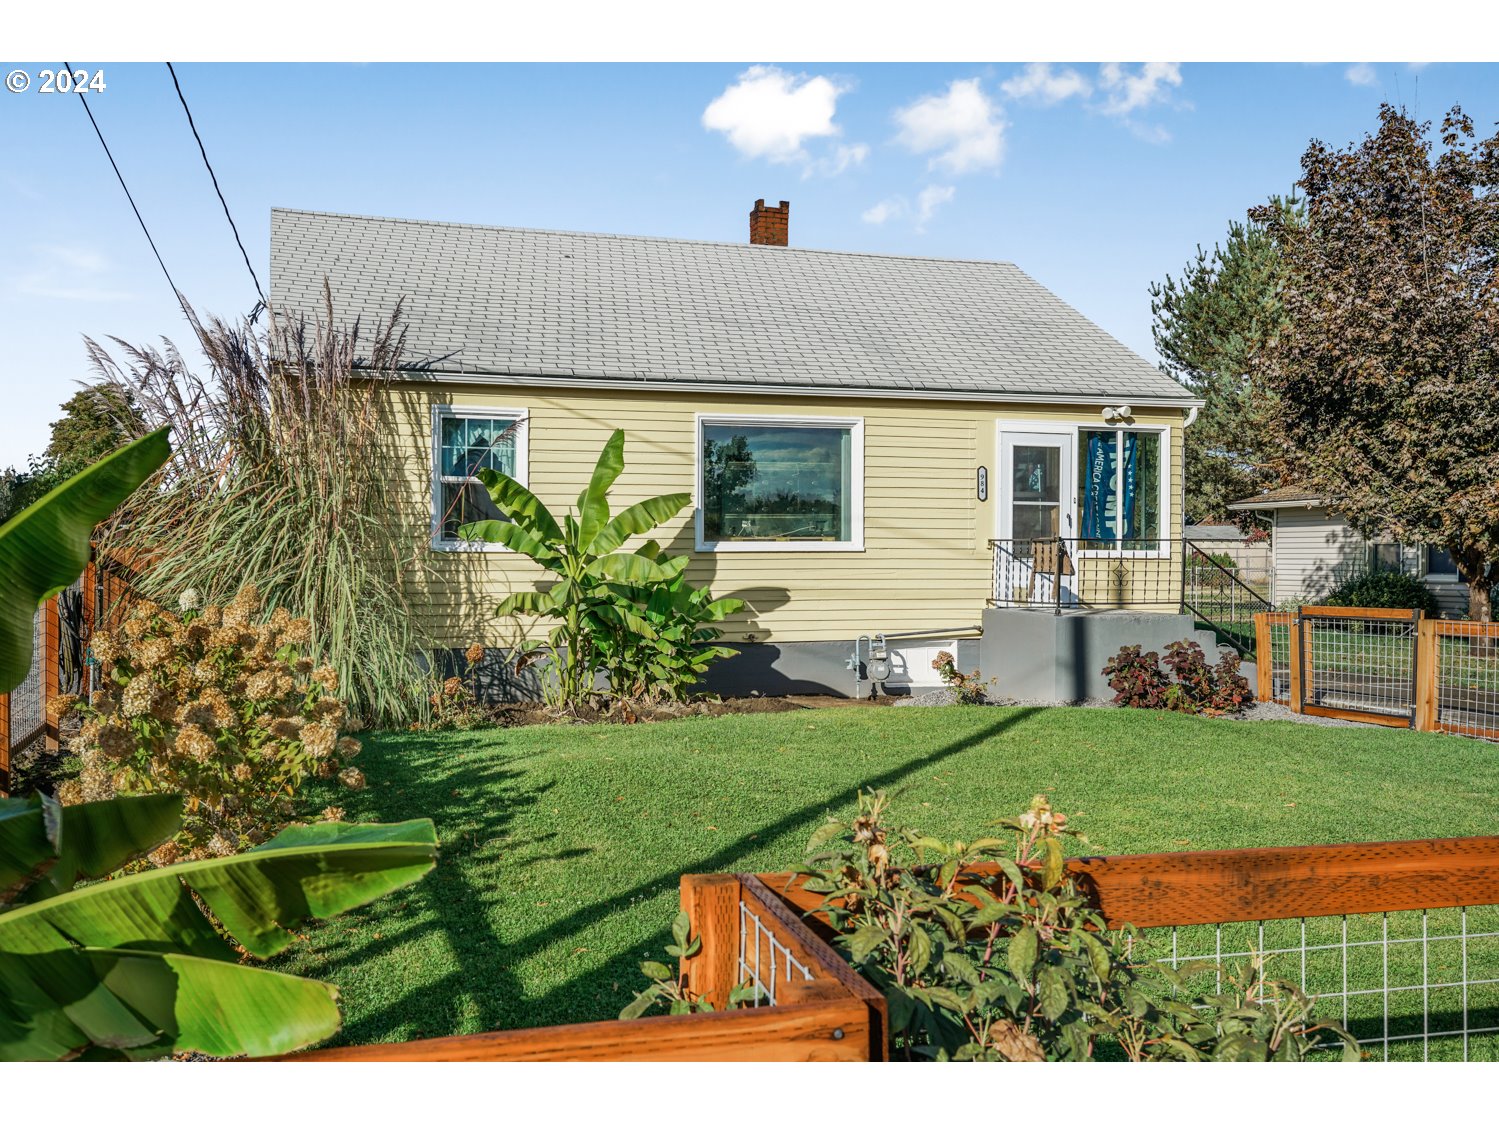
492	301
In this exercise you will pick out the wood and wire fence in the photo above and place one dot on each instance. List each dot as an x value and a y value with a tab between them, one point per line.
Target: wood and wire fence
60	661
1389	667
806	1003
1398	941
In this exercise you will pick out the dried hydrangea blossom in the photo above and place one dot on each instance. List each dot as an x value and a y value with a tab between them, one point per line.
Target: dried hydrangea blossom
218	704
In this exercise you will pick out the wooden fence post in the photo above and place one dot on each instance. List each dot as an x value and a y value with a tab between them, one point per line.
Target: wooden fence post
1298	654
1428	675
1264	659
712	901
51	667
5	744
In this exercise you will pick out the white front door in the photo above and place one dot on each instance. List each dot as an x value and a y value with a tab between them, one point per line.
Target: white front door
1037	500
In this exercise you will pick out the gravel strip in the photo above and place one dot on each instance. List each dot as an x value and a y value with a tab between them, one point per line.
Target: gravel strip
1255	712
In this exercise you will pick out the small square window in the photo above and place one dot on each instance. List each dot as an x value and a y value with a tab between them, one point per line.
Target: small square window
463	442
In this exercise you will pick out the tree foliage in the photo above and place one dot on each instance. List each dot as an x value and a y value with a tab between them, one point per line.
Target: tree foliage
1208	323
1383	379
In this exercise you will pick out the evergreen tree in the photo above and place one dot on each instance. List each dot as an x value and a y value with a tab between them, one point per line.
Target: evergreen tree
1207	325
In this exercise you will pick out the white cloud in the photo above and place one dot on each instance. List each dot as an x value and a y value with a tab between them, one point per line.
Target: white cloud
771	113
70	273
963	127
929	200
885	210
1125	92
1360	74
899	207
1038	80
844	157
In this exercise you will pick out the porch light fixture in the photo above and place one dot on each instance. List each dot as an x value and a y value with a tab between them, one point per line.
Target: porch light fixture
1116	413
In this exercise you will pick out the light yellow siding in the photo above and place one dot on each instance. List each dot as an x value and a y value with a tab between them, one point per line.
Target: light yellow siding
925	563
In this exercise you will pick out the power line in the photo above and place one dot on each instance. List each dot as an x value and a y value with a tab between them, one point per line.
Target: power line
176	292
222	201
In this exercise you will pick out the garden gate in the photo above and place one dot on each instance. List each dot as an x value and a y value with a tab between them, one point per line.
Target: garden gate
1390	667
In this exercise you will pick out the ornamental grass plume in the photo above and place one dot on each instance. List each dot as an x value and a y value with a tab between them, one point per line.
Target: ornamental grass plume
234	717
282	475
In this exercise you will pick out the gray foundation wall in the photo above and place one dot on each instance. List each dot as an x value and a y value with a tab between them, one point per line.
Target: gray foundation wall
1023	654
1035	654
802	668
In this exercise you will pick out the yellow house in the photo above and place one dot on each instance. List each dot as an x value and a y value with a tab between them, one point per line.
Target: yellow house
876	446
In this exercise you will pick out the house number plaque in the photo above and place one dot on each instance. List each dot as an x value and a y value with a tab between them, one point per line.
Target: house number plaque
983	483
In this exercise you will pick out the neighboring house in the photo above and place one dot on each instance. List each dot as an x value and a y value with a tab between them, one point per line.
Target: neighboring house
854	428
1313	551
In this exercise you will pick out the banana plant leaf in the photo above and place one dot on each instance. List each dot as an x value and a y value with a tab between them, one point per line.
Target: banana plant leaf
45	847
132	966
513	535
632	569
515	500
593	501
637	519
530	602
46	546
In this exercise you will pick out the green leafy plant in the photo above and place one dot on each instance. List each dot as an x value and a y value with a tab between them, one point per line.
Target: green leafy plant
216	704
148	964
1189	684
45	547
602	593
989	950
665	660
669	988
1384	589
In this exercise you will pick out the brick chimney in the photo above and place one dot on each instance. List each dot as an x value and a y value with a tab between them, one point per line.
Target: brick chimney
770	226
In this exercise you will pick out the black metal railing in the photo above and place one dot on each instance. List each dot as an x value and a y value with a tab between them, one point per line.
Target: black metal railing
1087	574
1151	574
1225	597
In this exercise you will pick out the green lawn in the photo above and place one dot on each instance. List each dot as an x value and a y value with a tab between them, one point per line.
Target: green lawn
563	846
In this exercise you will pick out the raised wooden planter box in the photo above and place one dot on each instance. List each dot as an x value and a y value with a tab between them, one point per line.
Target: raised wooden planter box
814	1007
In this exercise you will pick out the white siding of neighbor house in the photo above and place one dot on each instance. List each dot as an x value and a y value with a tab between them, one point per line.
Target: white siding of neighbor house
1314	553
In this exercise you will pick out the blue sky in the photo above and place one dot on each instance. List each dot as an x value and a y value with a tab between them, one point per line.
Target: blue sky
1095	179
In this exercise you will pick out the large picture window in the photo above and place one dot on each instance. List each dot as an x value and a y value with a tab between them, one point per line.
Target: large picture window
464	440
780	483
1120	495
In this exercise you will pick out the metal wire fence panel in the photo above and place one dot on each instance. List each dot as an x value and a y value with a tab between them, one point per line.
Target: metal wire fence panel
1359	662
27	717
1280	630
1415	985
1466	670
764	961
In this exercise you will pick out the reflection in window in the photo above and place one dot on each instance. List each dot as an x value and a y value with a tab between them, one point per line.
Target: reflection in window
1120	488
777	483
465	445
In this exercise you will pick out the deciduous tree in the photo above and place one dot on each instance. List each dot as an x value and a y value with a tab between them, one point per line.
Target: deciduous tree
1385	377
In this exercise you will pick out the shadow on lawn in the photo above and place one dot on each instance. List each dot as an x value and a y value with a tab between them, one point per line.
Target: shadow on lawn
418	782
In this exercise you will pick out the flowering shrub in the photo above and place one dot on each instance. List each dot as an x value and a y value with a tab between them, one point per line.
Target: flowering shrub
454	704
210	704
965	685
1197	688
991	951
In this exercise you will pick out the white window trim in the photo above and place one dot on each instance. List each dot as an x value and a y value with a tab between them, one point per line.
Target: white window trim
1015	426
522	469
855	425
